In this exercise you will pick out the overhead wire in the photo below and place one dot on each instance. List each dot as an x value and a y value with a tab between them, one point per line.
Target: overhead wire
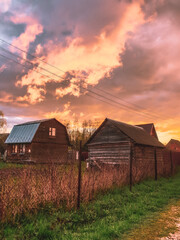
86	89
132	105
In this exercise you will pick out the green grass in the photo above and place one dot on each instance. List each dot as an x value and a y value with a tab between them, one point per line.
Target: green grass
4	165
110	216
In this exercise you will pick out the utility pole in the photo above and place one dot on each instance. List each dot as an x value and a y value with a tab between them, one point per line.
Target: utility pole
79	176
155	164
130	167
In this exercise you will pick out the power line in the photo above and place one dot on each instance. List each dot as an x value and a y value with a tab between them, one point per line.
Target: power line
122	105
125	107
132	106
28	61
30	54
136	106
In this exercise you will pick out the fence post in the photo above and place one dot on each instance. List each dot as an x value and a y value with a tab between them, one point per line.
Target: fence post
79	176
130	166
155	163
171	159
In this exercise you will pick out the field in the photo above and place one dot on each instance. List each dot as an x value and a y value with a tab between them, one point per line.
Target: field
113	214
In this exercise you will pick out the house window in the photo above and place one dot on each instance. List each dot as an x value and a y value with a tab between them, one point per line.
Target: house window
22	148
14	148
52	132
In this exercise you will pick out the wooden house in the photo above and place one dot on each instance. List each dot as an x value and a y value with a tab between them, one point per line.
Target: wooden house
173	145
149	128
114	142
43	141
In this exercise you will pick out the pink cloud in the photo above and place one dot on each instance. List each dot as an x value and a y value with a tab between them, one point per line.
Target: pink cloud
33	28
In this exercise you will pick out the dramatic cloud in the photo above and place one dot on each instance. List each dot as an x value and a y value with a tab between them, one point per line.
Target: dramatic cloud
129	49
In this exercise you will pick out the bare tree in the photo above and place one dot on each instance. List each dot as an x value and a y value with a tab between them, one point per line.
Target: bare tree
3	122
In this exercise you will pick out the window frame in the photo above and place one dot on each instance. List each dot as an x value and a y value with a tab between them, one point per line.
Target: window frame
14	148
22	148
52	132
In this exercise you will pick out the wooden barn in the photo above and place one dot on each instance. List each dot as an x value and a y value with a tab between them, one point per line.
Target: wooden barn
43	141
149	128
114	142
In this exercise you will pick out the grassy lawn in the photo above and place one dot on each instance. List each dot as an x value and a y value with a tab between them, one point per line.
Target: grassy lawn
4	165
111	216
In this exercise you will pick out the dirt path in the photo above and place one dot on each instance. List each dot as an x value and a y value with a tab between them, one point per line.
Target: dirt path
164	226
176	235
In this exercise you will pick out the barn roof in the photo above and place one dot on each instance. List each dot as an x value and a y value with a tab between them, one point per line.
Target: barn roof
137	134
23	133
147	127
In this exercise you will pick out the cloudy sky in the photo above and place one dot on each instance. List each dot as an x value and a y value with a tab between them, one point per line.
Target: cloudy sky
94	59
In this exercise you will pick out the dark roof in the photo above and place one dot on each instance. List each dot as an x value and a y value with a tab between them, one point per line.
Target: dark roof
147	127
137	134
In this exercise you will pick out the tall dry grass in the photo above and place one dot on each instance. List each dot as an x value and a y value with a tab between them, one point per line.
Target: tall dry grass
32	188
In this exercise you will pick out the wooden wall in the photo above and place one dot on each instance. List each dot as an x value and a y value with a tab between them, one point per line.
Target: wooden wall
11	157
49	153
113	153
144	162
42	134
48	149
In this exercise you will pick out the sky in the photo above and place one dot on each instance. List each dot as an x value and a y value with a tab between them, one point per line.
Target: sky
93	59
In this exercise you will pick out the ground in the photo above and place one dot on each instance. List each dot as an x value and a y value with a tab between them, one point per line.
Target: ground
164	226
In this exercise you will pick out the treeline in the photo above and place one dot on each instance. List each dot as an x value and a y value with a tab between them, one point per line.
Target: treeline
3	135
80	131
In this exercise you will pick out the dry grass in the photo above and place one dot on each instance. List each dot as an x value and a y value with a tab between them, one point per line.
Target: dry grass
25	190
32	188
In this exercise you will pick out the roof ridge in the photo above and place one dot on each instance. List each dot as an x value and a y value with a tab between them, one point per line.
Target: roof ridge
127	124
35	121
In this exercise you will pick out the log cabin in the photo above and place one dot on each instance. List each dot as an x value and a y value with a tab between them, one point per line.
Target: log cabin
114	142
43	141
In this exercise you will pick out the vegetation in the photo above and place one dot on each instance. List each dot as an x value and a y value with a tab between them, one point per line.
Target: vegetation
161	225
29	188
3	136
4	165
110	216
2	121
80	131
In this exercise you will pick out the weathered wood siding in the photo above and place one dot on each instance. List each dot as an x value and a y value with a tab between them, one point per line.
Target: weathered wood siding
113	153
109	145
109	134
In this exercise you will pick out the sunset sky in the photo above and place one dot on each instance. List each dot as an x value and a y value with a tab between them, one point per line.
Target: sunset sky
122	48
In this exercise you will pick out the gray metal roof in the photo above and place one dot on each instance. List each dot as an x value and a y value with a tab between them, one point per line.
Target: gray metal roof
23	133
